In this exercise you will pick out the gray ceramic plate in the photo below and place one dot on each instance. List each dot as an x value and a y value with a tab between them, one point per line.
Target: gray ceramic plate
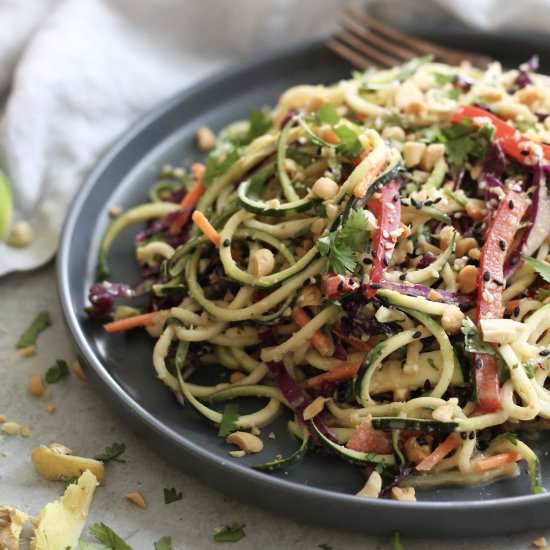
321	488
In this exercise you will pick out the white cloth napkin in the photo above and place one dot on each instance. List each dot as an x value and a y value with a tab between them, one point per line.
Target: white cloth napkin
76	73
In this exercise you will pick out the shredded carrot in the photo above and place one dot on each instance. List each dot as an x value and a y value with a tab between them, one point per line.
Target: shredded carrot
190	200
362	187
511	305
206	227
122	325
330	136
439	453
319	340
346	371
495	461
353	341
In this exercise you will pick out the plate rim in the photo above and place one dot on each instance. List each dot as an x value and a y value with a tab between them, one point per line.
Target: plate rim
131	406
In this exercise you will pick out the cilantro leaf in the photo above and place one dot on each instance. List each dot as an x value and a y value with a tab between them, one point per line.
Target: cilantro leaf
442	79
218	163
165	543
229	418
529	370
512	437
324	546
327	115
230	533
112	453
542	268
259	123
41	322
410	67
543	293
473	342
57	372
171	495
340	245
83	545
105	535
349	145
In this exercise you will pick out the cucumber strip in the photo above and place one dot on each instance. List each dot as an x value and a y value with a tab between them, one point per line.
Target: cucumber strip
375	356
226	358
447	351
138	214
6	205
301	337
437	176
244	360
356	457
176	264
389	424
284	180
536	323
507	442
258	206
284	230
243	340
248	390
164	185
417	303
455	478
255	310
429	211
432	271
285	462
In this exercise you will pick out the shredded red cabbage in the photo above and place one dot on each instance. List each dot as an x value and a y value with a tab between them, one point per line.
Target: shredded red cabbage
539	227
524	79
102	295
464	300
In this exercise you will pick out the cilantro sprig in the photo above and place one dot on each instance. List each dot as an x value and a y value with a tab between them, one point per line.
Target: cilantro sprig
542	268
229	419
112	453
165	543
172	495
57	372
230	533
473	342
40	323
106	536
340	246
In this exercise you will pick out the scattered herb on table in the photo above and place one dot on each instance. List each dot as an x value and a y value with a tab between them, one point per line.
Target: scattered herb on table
57	372
112	453
397	542
324	546
29	337
230	533
171	495
106	536
229	419
165	543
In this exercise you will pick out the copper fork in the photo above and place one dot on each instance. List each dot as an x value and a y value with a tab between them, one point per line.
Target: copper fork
367	42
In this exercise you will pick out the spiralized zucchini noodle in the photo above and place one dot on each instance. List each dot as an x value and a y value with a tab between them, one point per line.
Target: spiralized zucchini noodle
371	257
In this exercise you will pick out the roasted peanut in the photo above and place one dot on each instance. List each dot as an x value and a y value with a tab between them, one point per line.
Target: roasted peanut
325	188
412	153
451	320
246	442
372	487
467	279
262	262
463	246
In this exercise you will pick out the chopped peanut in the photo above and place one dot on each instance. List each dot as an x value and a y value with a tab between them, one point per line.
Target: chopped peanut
445	236
206	139
463	246
314	408
416	452
262	262
51	408
3	418
474	254
13	428
403	493
445	412
412	153
540	543
236	377
115	211
431	155
35	386
78	372
475	208
372	487
309	296
247	442
451	320
325	188
393	133
135	497
21	235
467	279
29	351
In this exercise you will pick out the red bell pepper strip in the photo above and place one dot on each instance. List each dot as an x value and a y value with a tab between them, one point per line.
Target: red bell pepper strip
386	206
513	143
498	239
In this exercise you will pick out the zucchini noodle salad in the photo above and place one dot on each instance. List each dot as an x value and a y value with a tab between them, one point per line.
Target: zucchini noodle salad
371	256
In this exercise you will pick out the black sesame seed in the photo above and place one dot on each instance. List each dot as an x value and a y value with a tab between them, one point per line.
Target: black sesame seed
385	260
428	202
416	204
511	204
497	282
351	282
395	198
417	334
340	286
439	199
375	286
367	261
427	385
478	364
486	276
403	276
471	435
227	242
502	244
515	313
514	260
463	435
544	352
524	152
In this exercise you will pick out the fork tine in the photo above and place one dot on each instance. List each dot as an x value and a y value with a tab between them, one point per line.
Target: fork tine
361	46
401	54
412	42
350	55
